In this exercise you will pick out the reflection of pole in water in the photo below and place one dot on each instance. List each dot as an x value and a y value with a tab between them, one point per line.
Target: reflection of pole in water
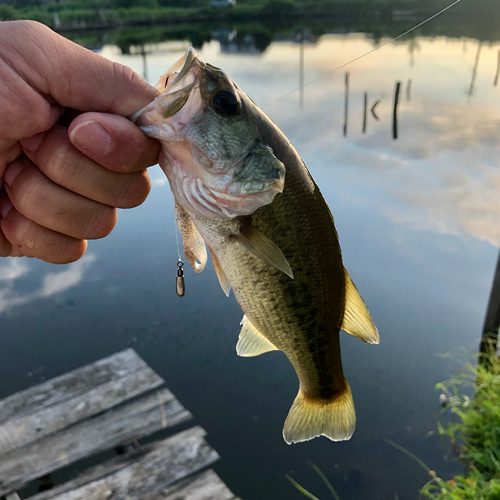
412	45
301	71
498	71
489	338
373	109
346	106
365	112
408	90
144	63
474	71
395	113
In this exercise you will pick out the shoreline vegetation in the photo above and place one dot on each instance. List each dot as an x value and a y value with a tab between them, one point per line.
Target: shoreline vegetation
473	427
83	15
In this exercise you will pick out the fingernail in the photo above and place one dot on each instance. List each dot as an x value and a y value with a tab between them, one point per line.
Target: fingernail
5	206
12	171
32	143
91	137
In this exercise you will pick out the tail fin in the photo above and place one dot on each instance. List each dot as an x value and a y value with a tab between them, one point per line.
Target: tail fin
309	418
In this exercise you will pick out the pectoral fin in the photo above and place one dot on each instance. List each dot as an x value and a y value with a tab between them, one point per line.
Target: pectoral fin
251	342
223	281
357	320
194	246
263	248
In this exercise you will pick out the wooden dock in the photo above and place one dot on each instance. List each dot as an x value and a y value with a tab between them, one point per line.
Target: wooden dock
108	405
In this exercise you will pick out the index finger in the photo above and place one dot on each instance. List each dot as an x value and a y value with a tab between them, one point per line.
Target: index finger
114	142
74	76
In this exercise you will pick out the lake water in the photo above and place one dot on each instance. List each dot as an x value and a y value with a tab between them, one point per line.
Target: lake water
418	221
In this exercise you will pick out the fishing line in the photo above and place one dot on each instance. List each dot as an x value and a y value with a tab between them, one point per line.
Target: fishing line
364	55
177	239
180	287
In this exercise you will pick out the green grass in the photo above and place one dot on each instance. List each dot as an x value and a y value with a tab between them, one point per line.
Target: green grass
307	493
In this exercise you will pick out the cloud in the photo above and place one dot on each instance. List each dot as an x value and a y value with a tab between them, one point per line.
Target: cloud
14	268
159	181
52	283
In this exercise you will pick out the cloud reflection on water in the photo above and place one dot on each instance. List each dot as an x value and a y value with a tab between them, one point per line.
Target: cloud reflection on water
52	283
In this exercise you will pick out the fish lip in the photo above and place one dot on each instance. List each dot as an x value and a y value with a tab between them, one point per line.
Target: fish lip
189	58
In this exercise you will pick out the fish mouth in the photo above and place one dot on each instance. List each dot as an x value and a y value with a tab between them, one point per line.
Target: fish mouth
176	86
173	77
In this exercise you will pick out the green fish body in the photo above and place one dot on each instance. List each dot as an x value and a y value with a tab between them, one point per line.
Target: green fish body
271	237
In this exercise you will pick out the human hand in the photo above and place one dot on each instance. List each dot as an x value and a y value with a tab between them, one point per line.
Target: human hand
59	186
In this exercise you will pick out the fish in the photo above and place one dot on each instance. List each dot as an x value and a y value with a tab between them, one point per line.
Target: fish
242	191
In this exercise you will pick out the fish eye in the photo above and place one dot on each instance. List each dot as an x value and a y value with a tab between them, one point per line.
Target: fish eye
226	103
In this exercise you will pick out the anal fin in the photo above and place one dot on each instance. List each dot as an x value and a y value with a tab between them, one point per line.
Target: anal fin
357	320
251	342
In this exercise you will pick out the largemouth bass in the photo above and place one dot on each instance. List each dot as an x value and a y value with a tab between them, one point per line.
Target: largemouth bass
242	190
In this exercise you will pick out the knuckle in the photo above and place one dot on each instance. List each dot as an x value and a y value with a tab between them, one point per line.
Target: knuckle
136	191
103	224
75	253
124	73
26	192
23	236
60	164
71	251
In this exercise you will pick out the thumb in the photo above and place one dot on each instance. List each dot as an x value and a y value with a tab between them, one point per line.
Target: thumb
76	77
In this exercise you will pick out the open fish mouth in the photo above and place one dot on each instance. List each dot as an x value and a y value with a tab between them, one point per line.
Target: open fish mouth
176	86
174	76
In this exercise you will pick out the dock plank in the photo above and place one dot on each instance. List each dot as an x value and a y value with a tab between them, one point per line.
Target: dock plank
136	419
54	405
206	485
69	385
136	476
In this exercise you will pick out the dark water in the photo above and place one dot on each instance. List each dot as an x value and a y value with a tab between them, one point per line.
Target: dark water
418	224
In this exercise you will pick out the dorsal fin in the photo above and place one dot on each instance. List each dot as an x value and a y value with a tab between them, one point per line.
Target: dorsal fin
194	245
357	320
251	342
263	248
223	281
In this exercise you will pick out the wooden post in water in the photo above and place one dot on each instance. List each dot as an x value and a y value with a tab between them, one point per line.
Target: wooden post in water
408	90
365	111
346	107
495	83
489	339
395	113
474	70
